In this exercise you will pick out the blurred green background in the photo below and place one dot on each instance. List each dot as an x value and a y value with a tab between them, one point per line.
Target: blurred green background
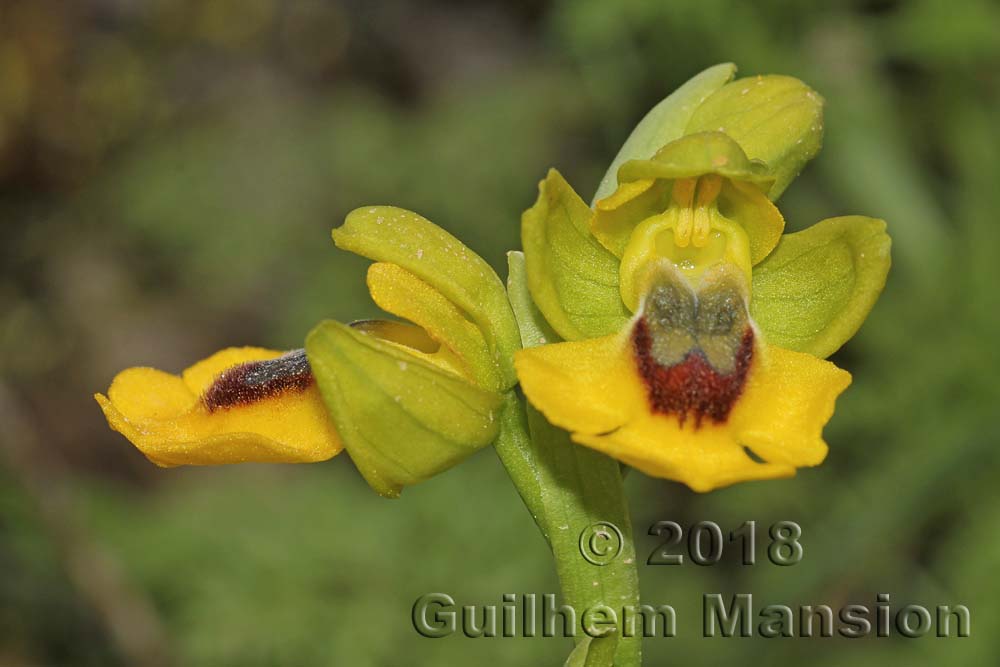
169	174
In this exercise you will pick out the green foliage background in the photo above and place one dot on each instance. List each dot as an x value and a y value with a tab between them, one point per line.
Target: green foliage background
169	174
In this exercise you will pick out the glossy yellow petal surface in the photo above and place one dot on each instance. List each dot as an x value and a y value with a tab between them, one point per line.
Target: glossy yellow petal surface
594	390
618	214
164	416
397	291
587	386
788	400
752	209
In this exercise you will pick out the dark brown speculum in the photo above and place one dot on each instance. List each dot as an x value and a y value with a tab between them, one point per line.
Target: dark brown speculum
257	380
694	350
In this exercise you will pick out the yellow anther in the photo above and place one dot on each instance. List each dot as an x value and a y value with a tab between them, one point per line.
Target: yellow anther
709	187
685	223
683	192
702	227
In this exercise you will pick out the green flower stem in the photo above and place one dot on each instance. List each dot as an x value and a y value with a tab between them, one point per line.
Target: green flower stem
576	496
584	502
572	491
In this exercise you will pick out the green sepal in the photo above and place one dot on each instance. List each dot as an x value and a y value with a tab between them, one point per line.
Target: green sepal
776	119
398	236
401	419
697	154
814	291
665	122
573	279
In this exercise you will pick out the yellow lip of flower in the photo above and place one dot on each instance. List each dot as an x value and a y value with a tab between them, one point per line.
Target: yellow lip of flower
687	389
243	404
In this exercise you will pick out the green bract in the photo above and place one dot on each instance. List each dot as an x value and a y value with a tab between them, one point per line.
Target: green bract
814	291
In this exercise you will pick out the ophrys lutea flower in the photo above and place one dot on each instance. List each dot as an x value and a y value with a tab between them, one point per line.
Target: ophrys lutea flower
405	399
695	331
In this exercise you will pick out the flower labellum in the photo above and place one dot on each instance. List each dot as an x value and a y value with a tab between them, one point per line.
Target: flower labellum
688	390
240	405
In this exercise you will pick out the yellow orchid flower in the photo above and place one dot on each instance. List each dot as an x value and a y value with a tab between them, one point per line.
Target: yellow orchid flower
405	400
694	331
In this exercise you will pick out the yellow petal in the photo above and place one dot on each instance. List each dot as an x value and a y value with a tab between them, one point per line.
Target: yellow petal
585	386
760	218
164	416
617	215
788	400
593	389
151	395
397	291
704	459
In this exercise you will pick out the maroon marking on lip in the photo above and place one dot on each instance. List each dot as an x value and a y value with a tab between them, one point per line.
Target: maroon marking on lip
257	380
692	386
